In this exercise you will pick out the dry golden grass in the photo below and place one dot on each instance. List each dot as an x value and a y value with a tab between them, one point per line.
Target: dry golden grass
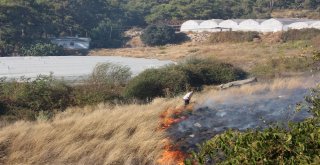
244	55
100	135
107	134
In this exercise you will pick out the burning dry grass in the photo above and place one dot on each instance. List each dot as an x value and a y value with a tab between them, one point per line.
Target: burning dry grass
171	153
119	135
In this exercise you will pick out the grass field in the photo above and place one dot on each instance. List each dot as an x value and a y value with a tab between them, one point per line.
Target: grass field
247	55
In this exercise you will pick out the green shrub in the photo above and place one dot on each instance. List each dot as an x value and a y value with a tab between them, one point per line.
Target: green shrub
112	74
106	84
43	96
106	34
209	72
298	144
303	34
6	49
92	94
158	35
174	79
144	86
154	83
44	93
23	99
42	49
233	36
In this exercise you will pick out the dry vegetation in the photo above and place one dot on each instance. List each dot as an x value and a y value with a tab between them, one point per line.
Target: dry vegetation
245	55
96	135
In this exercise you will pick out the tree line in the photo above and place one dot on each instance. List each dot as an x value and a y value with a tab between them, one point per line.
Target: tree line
27	22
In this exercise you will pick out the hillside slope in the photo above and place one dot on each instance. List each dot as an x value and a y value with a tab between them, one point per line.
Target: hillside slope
110	135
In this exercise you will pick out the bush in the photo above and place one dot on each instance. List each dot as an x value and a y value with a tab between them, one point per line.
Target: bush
209	72
6	49
93	94
298	144
233	36
157	82
112	74
44	93
155	35
303	34
107	35
25	99
42	49
106	83
174	79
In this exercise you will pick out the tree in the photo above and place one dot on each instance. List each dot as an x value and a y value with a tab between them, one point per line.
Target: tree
158	35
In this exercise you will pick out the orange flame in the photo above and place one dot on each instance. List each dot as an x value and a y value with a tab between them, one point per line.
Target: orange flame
170	117
171	156
173	115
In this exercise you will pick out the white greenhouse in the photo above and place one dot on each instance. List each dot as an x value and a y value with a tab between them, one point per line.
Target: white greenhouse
300	25
280	24
210	25
258	25
250	25
271	25
190	26
232	24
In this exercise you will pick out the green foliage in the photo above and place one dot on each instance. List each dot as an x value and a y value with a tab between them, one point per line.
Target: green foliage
303	34
173	79
42	49
104	85
209	72
158	35
42	97
111	74
153	83
5	48
43	93
233	36
298	144
93	94
22	100
106	35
